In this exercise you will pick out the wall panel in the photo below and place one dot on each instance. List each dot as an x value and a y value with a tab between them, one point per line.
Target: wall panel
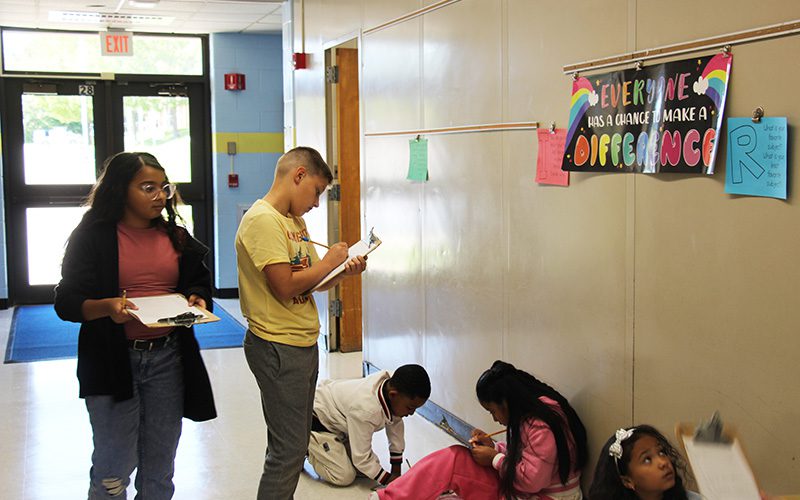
566	289
660	24
462	64
394	307
541	41
463	245
377	13
391	89
333	19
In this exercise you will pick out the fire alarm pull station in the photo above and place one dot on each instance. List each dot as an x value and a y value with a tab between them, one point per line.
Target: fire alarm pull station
234	81
299	60
233	178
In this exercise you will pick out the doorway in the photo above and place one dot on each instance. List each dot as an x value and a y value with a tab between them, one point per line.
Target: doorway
57	133
344	207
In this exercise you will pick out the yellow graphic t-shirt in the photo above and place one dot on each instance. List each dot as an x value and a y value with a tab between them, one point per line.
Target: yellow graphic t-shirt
266	237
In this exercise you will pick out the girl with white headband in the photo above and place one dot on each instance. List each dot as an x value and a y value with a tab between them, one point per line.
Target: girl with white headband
639	464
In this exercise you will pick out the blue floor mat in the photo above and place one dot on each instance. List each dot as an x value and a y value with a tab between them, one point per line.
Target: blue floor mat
38	334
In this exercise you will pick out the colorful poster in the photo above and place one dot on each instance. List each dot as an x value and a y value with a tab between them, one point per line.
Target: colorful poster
662	118
756	160
417	160
548	162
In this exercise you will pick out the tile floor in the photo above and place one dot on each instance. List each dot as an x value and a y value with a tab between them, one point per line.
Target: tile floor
45	438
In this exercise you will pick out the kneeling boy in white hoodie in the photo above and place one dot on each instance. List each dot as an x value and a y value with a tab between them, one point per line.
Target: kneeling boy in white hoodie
348	412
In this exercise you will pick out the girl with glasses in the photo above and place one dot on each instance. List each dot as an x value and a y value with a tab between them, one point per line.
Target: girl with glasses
138	382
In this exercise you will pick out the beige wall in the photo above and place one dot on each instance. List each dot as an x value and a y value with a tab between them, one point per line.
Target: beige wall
642	298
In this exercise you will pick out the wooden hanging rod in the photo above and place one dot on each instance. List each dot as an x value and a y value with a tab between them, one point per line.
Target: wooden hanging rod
410	15
716	42
492	127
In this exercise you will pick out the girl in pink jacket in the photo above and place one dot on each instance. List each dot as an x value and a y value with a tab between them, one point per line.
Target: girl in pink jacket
542	458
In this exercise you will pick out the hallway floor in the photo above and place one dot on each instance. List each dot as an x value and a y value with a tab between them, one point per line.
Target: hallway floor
46	437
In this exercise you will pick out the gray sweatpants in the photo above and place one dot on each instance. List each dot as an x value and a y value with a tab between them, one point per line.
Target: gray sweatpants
287	378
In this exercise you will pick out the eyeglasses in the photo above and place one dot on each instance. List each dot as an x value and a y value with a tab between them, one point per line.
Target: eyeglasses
154	190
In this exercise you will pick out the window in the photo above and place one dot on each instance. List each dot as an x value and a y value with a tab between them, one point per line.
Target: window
79	53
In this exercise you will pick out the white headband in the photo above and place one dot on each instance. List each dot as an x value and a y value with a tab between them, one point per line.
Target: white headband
615	450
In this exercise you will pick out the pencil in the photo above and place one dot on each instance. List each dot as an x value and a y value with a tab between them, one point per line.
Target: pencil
124	296
496	433
489	435
314	242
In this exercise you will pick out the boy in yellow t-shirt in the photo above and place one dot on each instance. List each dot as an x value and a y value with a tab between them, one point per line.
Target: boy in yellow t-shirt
277	266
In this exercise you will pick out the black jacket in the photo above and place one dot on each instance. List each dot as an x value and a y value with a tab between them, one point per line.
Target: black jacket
91	271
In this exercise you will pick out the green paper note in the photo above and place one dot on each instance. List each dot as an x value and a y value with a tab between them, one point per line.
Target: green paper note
417	160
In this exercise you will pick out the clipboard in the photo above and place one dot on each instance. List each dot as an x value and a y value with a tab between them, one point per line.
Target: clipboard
154	310
721	471
363	247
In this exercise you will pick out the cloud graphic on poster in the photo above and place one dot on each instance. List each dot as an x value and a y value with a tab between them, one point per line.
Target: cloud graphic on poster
700	86
593	98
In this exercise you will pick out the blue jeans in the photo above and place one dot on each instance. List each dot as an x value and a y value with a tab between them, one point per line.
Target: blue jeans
139	433
287	378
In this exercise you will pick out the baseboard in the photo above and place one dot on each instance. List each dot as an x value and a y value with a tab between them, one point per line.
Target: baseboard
225	293
430	411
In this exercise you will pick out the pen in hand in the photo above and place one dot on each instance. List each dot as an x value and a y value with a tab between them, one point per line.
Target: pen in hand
124	297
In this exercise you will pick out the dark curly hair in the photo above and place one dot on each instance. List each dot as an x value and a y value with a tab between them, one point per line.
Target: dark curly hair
607	483
521	392
106	200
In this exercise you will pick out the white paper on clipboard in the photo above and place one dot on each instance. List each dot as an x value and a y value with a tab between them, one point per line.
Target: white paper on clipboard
721	470
362	247
151	309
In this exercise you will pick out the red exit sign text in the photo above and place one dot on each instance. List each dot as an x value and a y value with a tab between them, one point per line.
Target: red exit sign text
116	43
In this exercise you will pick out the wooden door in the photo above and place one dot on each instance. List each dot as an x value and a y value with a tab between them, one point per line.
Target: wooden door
350	184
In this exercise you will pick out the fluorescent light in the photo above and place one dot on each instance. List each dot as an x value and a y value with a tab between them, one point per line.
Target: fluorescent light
109	19
143	4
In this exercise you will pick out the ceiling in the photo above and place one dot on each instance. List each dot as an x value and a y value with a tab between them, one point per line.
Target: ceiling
165	16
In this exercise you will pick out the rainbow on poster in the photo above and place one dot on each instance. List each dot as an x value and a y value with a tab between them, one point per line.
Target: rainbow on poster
663	118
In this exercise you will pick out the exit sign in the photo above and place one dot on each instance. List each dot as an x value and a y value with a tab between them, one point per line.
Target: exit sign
116	43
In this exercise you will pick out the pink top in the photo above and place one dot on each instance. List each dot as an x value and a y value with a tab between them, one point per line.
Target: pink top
148	265
538	465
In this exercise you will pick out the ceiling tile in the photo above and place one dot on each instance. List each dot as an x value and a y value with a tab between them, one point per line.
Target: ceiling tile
191	16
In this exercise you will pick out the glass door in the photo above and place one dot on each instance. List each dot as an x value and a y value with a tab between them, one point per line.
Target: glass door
166	120
58	134
53	150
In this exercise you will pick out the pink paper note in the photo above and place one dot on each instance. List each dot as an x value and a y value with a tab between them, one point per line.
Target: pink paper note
551	153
